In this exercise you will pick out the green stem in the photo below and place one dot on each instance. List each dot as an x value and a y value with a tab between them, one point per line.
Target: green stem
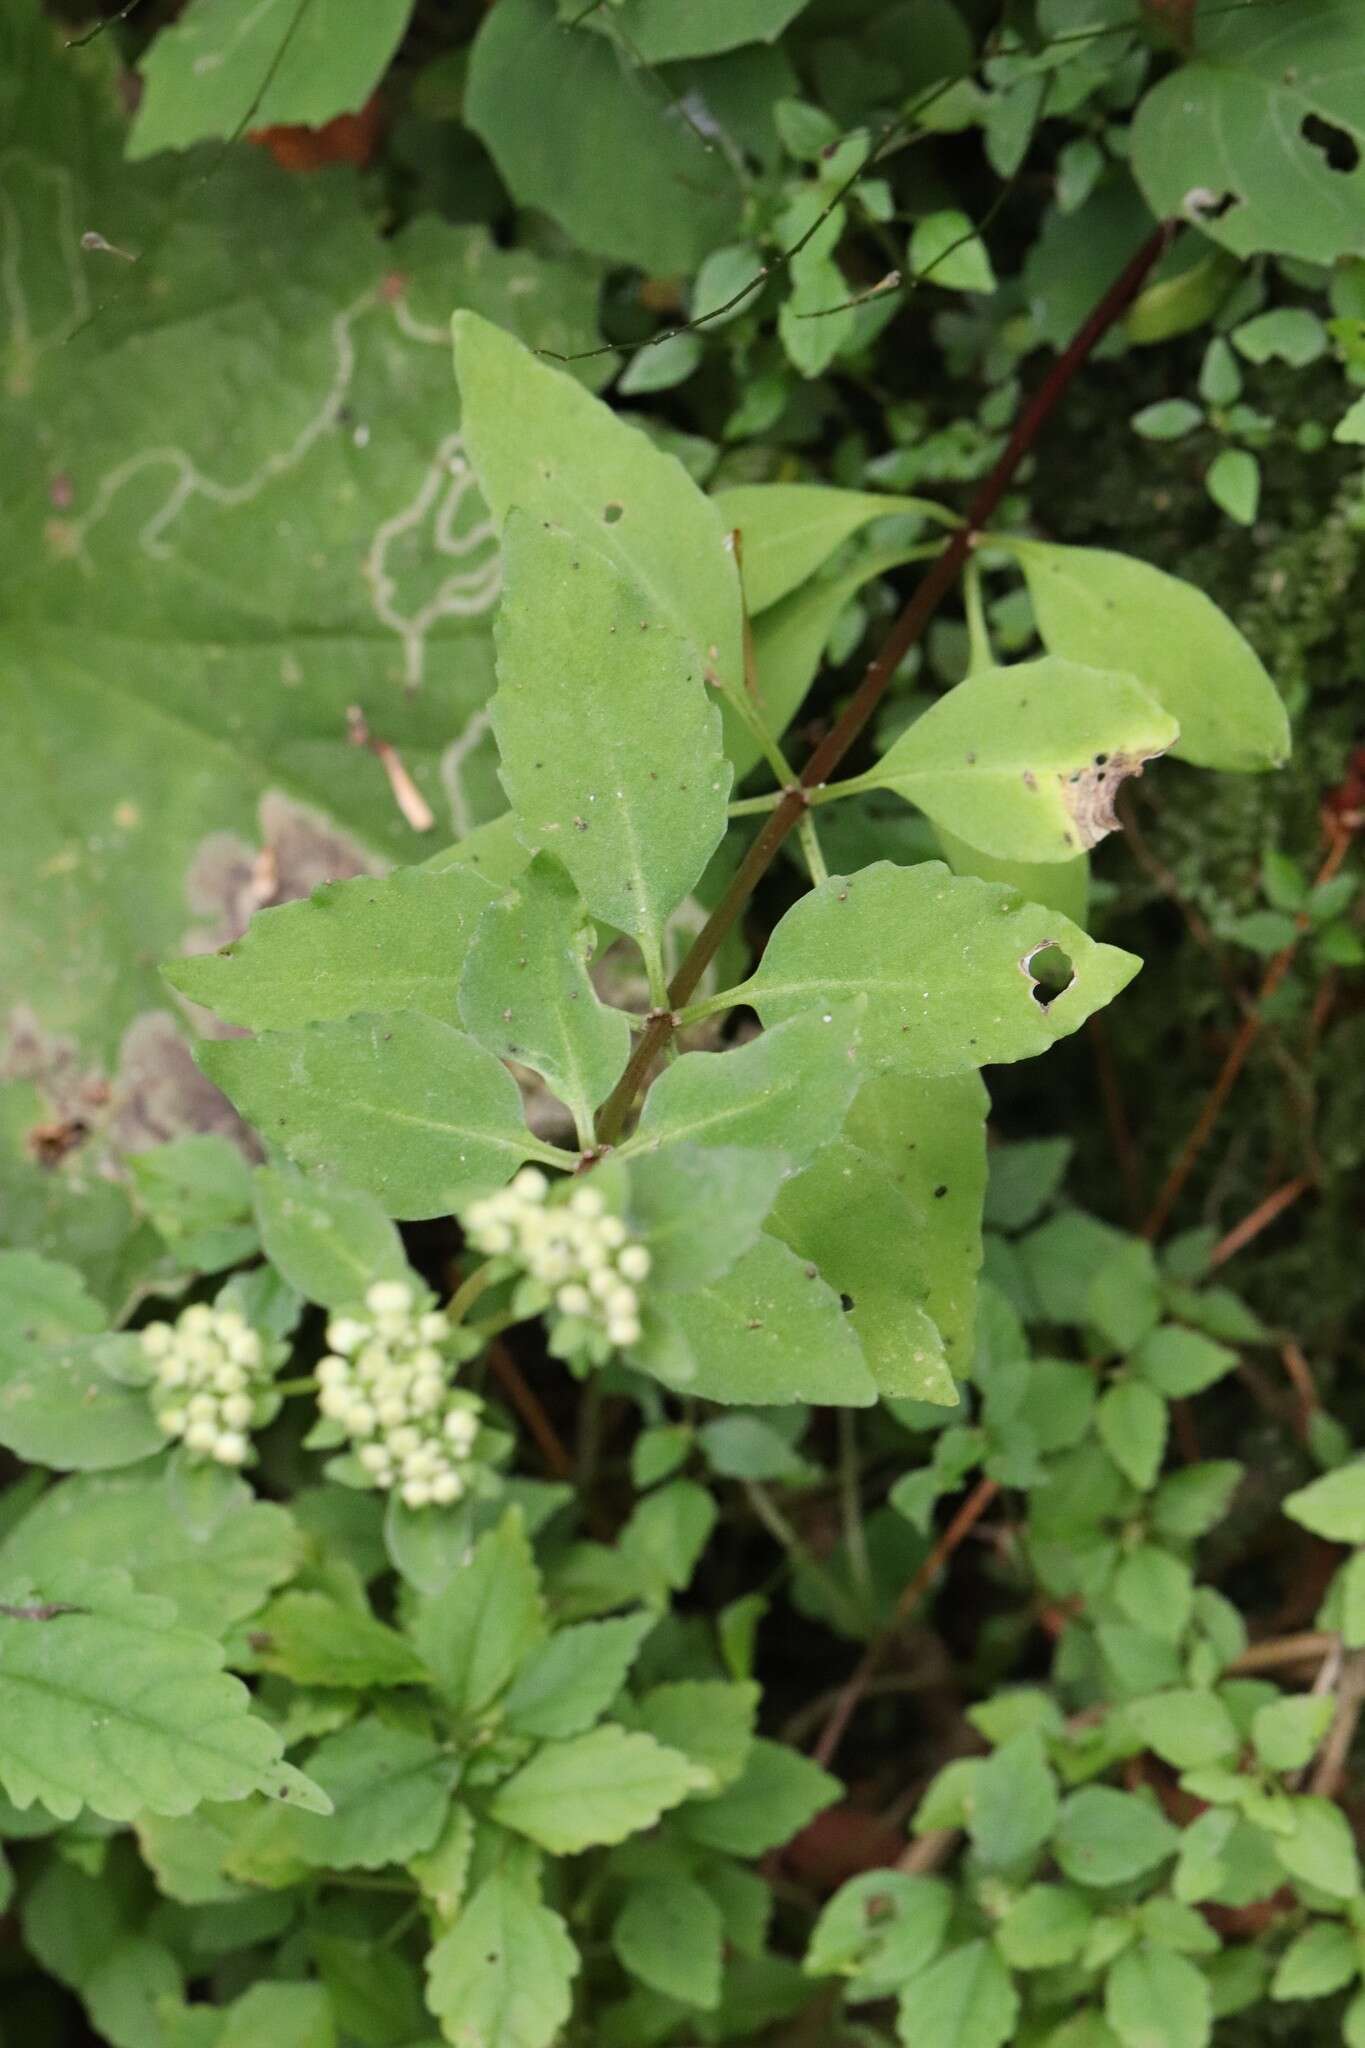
470	1288
549	1155
799	1555
854	785
710	1006
810	846
305	1384
980	652
750	806
658	980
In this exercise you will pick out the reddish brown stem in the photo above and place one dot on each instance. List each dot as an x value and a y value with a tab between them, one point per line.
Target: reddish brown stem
1261	1217
510	1378
928	595
963	1522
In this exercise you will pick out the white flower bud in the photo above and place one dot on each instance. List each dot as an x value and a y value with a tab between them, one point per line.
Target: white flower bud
531	1184
446	1488
229	1379
245	1349
402	1442
495	1238
157	1339
231	1447
389	1297
346	1333
624	1331
622	1301
360	1418
416	1493
333	1372
434	1326
392	1411
634	1262
197	1319
172	1420
201	1434
613	1231
375	1459
172	1371
201	1408
238	1410
586	1202
574	1300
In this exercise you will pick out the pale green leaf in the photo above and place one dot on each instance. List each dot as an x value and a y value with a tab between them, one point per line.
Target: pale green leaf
540	441
1286	1732
882	1928
670	1934
69	1406
526	994
699	1208
1132	1422
846	1215
788	530
943	961
390	1791
1323	1958
1186	1728
1025	761
593	1788
787	1090
1321	1848
1154	1998
946	250
709	1720
366	945
403	1107
1237	124
566	1683
604	156
1179	1362
1045	1926
285	2015
1332	1506
329	1242
1105	1837
111	1705
1097	607
216	1570
1062	885
964	2000
1014	1802
474	1633
1233	481
769	1330
227	64
774	1797
314	1640
661	32
609	743
501	1976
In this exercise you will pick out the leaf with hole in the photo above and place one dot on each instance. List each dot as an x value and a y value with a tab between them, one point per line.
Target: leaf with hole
1025	762
944	962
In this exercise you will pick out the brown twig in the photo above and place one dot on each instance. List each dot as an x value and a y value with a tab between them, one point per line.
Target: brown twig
1261	1217
1307	1648
527	1404
415	809
1301	1379
1236	1057
930	592
1336	1750
846	1704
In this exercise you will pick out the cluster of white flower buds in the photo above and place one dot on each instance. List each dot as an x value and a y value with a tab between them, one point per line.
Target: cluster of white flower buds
583	1254
386	1383
210	1371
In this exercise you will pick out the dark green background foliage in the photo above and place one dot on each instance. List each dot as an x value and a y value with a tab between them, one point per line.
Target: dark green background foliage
854	1533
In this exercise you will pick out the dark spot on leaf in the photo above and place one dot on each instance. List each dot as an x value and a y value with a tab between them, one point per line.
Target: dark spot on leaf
846	1302
940	1192
613	512
1340	149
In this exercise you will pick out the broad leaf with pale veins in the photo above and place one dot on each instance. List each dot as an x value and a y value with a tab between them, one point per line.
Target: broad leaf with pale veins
609	743
405	1108
787	1089
943	961
501	1976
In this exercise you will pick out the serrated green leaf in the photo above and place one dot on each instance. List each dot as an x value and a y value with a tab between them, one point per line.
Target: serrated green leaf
610	747
944	964
1155	1590
501	1976
1185	1727
699	1208
881	1929
1045	1926
709	1721
1287	1732
390	1791
597	109
769	1330
227	63
374	1992
1154	1998
774	1797
397	943
331	1243
1106	1837
846	1215
314	1640
788	530
1191	1502
1096	606
216	1570
1132	1421
786	1090
1332	1506
1319	1960
539	441
964	2000
1320	1847
474	1633
1014	1803
566	1683
526	994
111	1705
1235	124
66	1404
593	1788
404	1108
1181	1362
1024	762
197	1192
670	1934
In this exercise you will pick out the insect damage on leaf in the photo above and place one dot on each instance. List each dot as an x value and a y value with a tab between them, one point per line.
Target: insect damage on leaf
1089	794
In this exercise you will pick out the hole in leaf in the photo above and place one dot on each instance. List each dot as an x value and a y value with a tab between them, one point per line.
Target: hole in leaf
614	511
1050	974
845	1302
1202	205
1341	151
